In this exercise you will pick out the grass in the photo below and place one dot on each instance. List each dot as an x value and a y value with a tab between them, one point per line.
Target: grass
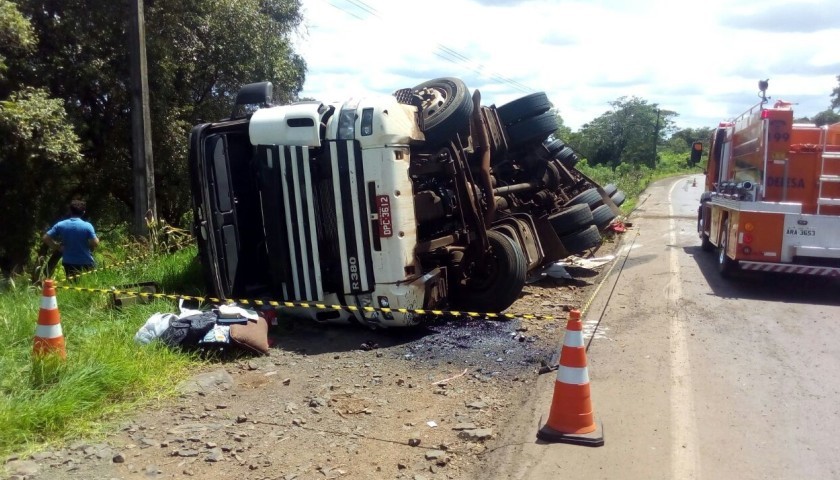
106	373
633	180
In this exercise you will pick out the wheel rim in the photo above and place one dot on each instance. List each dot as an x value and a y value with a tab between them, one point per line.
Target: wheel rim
434	98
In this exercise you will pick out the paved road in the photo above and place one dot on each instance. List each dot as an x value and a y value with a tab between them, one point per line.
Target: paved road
694	376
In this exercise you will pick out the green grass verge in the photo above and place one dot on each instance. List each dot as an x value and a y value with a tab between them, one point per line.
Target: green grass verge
106	373
634	179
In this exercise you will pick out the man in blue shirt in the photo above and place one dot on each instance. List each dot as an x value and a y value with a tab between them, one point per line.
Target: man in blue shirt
75	239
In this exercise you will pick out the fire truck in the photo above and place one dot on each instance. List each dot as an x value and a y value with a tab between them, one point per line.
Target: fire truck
772	195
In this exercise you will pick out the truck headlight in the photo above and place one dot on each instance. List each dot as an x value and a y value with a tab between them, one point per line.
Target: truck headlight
347	121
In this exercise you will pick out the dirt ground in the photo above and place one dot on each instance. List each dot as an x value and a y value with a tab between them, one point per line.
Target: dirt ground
341	402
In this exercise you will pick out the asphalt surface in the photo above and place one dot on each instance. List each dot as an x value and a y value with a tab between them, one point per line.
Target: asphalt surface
694	376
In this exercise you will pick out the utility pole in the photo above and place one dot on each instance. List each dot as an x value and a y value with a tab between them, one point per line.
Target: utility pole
655	137
141	135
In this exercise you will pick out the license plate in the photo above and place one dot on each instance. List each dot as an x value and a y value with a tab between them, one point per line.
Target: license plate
383	203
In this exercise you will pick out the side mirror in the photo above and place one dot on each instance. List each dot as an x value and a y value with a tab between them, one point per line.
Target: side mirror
696	153
253	94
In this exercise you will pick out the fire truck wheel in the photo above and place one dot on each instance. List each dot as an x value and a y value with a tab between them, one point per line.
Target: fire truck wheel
571	219
525	107
446	108
725	264
589	197
705	244
532	129
583	240
500	282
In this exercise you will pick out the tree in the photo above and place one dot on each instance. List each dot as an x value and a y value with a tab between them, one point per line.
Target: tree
826	117
682	140
199	52
39	152
563	132
629	133
835	95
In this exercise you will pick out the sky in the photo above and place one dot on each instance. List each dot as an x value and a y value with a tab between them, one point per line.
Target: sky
699	58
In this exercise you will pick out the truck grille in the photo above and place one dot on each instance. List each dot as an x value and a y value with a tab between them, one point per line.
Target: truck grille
317	220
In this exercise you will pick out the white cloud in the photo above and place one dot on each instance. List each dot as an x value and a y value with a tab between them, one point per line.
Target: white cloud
700	58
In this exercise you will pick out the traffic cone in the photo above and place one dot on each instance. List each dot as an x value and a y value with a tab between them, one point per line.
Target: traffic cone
571	419
49	338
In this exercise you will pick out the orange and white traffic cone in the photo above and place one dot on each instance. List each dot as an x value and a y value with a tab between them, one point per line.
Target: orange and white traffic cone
571	419
49	338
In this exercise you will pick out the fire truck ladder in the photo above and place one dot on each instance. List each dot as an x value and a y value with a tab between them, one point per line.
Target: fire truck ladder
826	158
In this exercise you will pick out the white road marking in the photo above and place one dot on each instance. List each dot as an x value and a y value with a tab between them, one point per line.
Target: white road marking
684	464
591	329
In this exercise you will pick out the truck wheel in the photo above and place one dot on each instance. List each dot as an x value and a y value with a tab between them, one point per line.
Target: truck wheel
726	266
525	107
446	108
618	198
582	240
532	129
553	147
589	197
705	243
500	282
571	219
567	157
603	216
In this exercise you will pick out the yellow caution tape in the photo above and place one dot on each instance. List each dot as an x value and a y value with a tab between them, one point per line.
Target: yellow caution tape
311	305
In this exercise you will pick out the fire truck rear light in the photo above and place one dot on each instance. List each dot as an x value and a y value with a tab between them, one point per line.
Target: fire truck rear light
749	227
746	250
748	238
765	114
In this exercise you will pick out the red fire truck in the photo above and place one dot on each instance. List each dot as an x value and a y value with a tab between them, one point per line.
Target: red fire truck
772	195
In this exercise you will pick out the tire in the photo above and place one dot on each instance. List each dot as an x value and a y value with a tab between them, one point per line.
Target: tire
501	283
705	243
567	157
726	266
532	129
582	240
589	197
553	147
618	198
610	189
602	217
525	107
571	219
446	108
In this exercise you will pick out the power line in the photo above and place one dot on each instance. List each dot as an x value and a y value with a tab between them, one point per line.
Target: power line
442	51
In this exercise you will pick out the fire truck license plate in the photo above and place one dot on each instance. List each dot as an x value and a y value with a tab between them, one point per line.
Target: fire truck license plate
383	203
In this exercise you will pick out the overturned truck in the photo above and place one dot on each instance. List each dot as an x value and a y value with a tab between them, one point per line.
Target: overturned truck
424	199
